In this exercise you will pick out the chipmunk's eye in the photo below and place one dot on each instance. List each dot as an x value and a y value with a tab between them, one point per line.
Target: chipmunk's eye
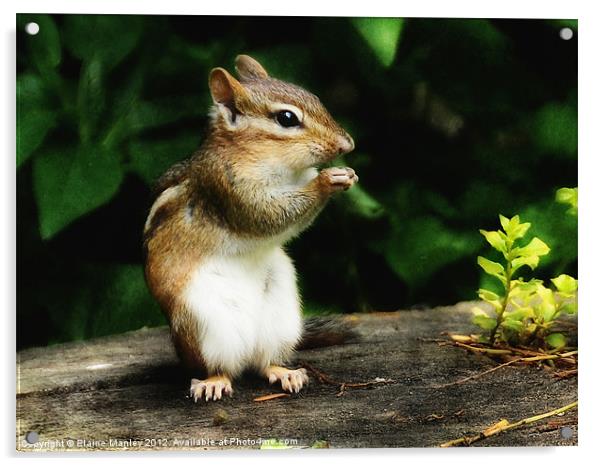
287	119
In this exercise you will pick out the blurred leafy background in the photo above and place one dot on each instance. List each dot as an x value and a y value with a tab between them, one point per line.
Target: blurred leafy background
454	120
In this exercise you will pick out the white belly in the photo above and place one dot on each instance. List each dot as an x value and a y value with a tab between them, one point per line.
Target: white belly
247	308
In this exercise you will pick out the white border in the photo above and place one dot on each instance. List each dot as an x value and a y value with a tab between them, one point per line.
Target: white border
422	8
590	105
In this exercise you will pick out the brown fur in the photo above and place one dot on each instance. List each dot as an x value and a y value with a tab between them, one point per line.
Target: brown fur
220	190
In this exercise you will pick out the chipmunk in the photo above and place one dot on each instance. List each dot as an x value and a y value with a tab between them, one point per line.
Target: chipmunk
214	236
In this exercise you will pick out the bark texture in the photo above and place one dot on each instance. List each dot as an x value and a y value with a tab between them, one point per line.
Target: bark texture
128	392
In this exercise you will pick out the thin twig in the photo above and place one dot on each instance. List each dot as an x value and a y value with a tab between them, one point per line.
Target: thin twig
545	357
271	396
554	424
475	376
321	376
325	378
469	343
460	338
479	349
565	374
504	425
511	350
542	357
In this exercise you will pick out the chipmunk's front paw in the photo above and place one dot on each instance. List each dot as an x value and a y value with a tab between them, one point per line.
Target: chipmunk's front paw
292	380
211	389
339	178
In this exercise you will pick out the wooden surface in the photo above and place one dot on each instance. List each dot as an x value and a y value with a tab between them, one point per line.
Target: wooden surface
128	392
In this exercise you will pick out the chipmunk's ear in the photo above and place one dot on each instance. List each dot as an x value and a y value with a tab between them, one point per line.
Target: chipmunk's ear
225	89
249	68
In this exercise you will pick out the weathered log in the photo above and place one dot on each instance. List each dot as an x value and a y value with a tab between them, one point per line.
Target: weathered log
128	392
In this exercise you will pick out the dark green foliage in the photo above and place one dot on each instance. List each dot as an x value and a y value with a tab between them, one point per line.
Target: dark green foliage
454	121
71	181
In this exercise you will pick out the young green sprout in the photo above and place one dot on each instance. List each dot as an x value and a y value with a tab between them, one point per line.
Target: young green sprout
527	311
568	196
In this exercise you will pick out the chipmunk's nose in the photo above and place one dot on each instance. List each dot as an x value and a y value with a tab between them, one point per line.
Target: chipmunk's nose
345	144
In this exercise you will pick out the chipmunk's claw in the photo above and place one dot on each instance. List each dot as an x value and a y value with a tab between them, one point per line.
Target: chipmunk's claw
212	388
291	380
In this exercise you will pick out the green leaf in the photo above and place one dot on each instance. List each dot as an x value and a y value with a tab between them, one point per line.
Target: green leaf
90	98
547	307
565	284
569	23
382	35
123	100
32	128
504	221
568	196
96	299
36	115
513	224
514	325
138	116
492	268
124	303
485	322
513	228
531	261
107	38
556	340
491	298
495	239
520	230
44	47
521	289
557	230
145	115
487	295
555	129
70	182
151	158
32	92
519	314
363	204
490	39
418	248
536	247
286	61
569	307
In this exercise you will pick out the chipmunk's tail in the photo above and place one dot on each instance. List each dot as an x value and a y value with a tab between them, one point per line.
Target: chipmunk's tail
321	331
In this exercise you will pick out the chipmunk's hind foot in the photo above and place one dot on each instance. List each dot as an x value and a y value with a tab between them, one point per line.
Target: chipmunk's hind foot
292	380
212	388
